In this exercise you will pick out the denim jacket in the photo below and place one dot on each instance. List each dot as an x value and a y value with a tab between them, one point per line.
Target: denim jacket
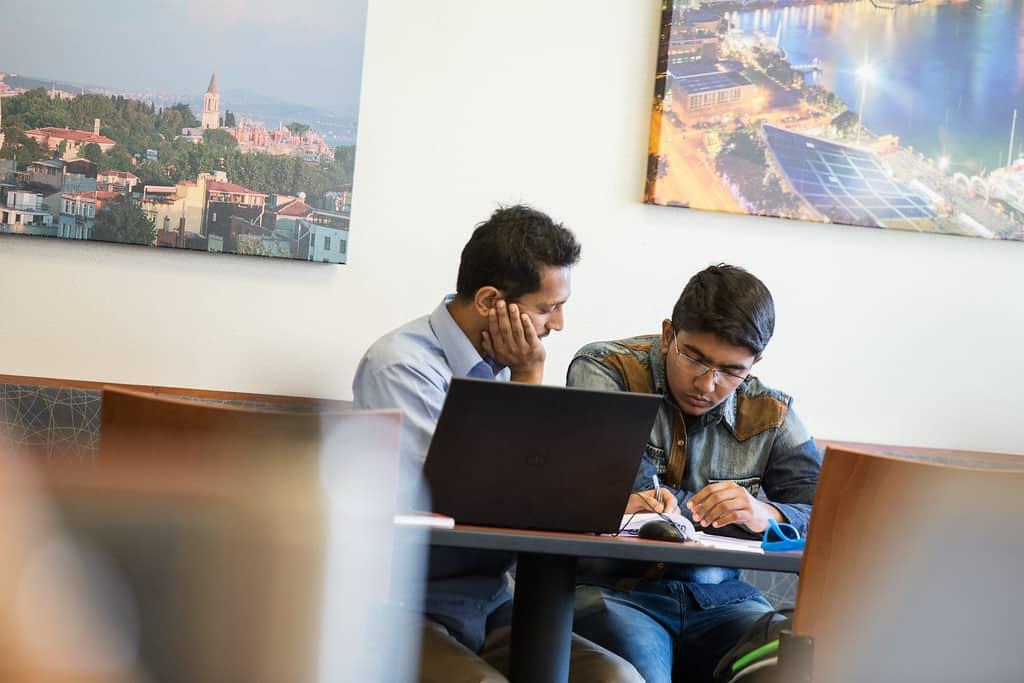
753	437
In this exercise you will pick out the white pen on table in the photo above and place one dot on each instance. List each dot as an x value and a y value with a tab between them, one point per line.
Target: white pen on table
657	488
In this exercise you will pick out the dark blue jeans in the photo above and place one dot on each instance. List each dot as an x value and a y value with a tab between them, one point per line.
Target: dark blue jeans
661	630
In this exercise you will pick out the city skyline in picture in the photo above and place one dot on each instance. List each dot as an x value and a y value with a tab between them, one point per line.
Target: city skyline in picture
242	141
902	114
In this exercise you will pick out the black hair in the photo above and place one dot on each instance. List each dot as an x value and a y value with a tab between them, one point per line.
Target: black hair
730	303
509	249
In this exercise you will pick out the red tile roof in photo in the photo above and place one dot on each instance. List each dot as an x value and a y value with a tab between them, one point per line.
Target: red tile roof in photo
295	208
69	134
218	186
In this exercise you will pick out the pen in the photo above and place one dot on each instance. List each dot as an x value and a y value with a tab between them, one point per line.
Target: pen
657	487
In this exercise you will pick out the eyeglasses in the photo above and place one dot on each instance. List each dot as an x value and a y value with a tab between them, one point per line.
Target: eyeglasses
719	376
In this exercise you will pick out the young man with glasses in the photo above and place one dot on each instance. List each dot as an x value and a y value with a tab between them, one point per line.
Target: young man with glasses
721	438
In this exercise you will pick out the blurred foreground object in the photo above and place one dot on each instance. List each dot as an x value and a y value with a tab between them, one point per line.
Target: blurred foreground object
912	566
61	619
244	538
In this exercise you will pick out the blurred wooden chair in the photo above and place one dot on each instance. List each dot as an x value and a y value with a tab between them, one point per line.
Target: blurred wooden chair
912	566
250	540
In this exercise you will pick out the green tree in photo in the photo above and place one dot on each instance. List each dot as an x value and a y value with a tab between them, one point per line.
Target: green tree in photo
229	119
221	140
296	175
152	173
847	123
776	201
171	120
742	161
35	109
20	147
125	223
297	128
745	143
825	100
92	152
186	114
117	159
345	156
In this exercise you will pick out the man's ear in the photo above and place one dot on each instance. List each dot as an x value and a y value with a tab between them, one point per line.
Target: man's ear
666	334
485	299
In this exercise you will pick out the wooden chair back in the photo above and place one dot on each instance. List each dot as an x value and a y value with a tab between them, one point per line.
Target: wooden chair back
912	566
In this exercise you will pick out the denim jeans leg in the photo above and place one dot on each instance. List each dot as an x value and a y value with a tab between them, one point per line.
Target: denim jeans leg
709	633
628	628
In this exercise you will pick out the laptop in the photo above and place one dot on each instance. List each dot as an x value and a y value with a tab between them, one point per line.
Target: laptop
537	457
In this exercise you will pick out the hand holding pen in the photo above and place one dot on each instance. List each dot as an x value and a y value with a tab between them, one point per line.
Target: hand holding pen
653	500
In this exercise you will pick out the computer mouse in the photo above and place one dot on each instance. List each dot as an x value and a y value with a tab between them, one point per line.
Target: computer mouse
660	530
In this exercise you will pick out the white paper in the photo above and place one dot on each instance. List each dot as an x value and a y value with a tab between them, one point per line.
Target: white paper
726	543
631	524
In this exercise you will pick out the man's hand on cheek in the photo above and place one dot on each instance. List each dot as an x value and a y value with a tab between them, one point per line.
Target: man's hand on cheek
511	339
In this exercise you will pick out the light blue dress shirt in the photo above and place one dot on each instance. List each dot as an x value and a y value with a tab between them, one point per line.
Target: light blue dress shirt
410	369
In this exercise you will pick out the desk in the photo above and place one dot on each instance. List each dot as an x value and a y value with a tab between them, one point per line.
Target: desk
546	582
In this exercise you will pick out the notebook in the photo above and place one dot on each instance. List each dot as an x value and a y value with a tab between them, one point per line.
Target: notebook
536	456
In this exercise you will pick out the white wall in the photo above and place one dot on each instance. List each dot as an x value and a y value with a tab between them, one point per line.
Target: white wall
881	335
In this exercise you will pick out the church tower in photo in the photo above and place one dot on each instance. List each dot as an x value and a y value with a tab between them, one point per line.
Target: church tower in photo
211	105
1	122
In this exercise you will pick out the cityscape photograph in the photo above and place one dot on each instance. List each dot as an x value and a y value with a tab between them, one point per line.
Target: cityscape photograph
905	114
232	129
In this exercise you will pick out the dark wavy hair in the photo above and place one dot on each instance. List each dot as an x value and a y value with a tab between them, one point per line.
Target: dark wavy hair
510	248
730	303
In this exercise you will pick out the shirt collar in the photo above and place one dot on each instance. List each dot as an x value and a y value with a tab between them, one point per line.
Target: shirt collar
723	412
462	356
